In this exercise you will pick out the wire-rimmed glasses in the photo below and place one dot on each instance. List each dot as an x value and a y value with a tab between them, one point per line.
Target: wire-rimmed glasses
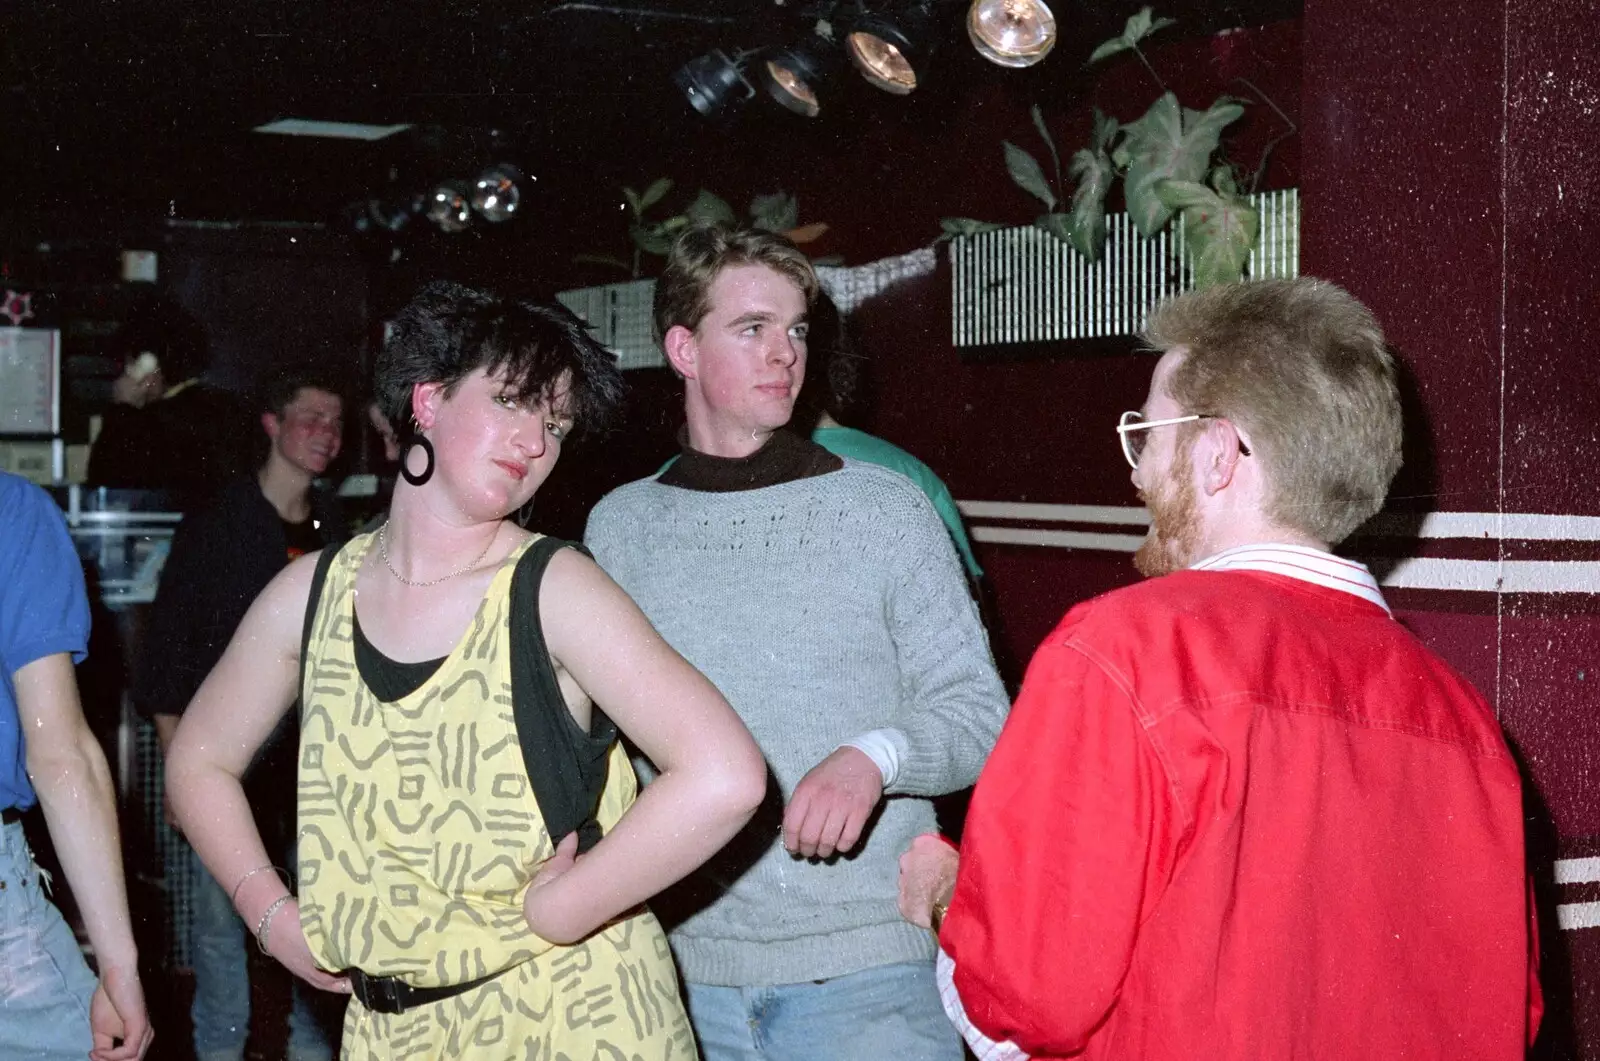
1132	426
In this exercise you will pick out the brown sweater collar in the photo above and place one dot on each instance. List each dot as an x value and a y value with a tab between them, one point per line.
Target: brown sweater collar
783	458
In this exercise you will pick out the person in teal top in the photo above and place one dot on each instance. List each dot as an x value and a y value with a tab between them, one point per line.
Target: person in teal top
858	445
831	381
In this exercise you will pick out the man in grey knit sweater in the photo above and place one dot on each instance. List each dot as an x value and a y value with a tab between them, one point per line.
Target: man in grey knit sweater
823	597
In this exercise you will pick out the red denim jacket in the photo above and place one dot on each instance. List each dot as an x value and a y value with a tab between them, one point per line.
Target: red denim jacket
1236	815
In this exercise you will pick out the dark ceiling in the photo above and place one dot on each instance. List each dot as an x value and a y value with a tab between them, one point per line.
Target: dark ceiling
112	110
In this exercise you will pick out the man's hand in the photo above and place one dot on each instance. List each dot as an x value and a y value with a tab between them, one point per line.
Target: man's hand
927	875
135	389
117	1011
831	804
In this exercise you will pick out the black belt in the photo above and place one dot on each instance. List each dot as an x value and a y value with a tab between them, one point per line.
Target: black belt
9	815
390	994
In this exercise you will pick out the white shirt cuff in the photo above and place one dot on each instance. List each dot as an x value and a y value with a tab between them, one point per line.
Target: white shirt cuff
882	748
983	1047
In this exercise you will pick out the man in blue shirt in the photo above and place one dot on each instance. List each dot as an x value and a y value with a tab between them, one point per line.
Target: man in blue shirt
50	1004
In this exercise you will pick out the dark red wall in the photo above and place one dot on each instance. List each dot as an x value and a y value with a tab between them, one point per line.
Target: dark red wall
1449	179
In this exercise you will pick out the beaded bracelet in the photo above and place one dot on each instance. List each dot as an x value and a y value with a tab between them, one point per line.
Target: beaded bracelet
264	926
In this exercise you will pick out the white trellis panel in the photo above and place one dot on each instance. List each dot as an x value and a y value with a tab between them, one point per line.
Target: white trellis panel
619	315
1022	285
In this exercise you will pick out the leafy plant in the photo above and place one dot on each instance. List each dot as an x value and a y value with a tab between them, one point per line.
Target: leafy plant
1031	178
1092	167
1170	163
1138	27
647	236
778	212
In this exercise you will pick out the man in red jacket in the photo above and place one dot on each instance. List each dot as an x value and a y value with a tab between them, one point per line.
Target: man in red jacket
1238	811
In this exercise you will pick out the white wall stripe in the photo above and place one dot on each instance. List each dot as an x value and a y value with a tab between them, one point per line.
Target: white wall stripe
1577	870
1115	543
1571	916
1476	576
1511	526
1116	514
1489	576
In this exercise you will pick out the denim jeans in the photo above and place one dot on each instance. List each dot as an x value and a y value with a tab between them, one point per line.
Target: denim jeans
45	985
221	1010
891	1013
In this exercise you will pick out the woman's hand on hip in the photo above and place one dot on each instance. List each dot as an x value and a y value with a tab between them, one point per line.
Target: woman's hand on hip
286	942
541	906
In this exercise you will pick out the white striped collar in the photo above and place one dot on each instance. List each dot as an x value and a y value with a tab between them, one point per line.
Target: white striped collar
1298	561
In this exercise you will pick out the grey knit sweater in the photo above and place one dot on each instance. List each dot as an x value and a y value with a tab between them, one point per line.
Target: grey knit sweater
823	608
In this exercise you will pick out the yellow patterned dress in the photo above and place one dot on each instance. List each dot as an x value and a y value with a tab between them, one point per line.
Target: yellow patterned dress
418	835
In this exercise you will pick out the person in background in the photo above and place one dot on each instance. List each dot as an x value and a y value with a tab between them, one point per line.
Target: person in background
52	1008
473	855
1239	811
833	384
167	428
824	598
222	557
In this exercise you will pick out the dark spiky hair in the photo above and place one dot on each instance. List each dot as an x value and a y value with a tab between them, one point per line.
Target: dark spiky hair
449	331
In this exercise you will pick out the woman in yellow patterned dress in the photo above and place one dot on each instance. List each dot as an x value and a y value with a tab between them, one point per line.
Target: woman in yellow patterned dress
474	853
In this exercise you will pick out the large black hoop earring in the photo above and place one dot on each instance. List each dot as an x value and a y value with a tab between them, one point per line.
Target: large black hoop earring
417	478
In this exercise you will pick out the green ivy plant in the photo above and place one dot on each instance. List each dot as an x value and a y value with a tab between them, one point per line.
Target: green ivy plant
1170	162
778	212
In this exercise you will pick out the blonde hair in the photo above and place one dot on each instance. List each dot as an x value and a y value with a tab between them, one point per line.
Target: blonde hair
683	293
1302	368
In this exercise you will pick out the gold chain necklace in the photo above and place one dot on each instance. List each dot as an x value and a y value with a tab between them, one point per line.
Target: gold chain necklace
383	551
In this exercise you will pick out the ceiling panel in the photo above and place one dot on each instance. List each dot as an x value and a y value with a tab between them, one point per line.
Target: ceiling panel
122	109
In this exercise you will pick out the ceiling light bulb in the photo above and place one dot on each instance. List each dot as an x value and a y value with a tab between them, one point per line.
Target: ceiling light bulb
893	44
1011	33
882	63
497	193
803	75
449	207
792	90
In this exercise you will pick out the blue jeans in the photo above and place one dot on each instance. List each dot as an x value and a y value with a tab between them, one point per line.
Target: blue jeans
891	1013
45	985
221	1010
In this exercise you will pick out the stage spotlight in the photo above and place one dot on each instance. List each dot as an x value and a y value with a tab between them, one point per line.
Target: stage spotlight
497	193
793	75
891	49
377	215
1011	32
388	214
711	82
449	207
